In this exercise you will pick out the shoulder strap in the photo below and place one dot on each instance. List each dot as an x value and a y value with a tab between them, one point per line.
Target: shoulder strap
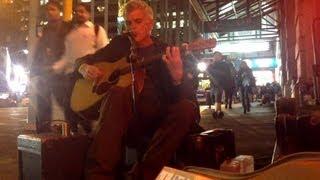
96	29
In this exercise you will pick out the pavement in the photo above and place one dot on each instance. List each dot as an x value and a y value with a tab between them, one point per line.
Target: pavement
254	133
13	121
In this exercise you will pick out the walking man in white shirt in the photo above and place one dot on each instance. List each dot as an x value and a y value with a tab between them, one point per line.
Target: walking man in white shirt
85	38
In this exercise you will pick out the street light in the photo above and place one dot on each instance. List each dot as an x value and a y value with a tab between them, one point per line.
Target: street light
23	51
16	75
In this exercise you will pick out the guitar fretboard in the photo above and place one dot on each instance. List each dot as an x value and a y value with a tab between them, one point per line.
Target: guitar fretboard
140	63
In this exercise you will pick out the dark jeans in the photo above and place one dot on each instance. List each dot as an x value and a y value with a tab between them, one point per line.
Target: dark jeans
244	92
60	86
228	94
119	126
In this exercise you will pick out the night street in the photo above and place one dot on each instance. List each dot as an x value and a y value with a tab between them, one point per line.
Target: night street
13	121
62	61
254	134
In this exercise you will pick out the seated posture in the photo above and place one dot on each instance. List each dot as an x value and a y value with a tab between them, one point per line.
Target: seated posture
160	111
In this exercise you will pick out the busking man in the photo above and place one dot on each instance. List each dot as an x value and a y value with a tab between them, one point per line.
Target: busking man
162	114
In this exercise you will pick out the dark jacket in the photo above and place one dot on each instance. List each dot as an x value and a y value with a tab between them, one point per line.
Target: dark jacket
246	77
50	47
221	74
119	47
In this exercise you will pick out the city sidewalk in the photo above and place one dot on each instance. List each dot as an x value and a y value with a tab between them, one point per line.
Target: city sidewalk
254	131
254	134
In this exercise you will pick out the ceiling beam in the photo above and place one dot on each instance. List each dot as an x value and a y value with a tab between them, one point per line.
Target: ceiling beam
200	10
241	9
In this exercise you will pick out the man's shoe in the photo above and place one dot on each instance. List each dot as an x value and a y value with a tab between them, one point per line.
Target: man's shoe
214	115
220	114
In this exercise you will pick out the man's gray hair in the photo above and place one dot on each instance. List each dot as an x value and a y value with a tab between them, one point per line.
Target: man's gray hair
132	5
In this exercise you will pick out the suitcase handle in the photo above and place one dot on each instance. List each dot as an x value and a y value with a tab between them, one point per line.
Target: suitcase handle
60	126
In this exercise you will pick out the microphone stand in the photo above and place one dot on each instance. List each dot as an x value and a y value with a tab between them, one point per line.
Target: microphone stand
133	58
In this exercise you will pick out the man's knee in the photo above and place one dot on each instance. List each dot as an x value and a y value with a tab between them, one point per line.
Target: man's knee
186	111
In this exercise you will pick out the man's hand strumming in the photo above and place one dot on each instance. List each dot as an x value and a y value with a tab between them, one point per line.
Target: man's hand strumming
90	72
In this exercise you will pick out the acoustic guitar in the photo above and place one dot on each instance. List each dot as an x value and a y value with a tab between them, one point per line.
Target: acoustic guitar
87	93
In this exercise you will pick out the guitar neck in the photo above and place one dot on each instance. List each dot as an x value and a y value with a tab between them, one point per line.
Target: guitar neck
193	46
141	63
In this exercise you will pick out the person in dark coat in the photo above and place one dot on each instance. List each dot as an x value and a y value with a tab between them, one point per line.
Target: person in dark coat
222	80
246	82
49	49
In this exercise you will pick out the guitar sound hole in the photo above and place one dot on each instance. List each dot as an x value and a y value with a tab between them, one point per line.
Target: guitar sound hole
114	77
104	86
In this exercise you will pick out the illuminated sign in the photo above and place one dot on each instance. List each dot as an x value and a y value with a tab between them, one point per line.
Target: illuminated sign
243	46
262	63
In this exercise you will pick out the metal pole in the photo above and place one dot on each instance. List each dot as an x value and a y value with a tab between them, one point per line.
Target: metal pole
67	10
190	22
316	63
33	14
106	15
92	10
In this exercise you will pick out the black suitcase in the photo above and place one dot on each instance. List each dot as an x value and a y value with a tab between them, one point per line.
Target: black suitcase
208	149
52	156
309	131
297	134
286	106
287	133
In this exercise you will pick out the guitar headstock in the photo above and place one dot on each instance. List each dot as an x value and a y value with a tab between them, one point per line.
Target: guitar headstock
202	44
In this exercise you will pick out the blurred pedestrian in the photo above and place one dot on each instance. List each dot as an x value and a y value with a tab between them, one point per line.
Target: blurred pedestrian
49	50
221	78
85	38
246	82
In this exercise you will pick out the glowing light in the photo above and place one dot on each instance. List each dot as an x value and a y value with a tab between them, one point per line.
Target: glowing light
261	63
158	25
25	51
4	95
120	19
20	79
264	63
263	77
202	66
8	65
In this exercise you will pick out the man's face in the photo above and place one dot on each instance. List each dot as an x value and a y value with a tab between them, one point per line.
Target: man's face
81	15
140	25
52	12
